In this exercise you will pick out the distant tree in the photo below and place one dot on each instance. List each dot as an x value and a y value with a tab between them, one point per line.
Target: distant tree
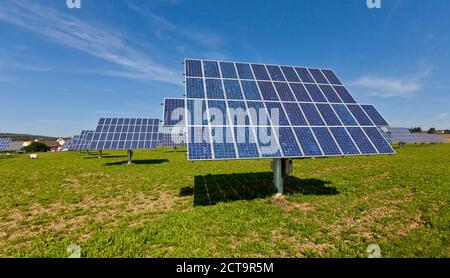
415	129
432	131
36	147
447	131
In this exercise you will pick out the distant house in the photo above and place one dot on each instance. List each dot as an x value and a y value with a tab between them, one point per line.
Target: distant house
53	146
61	141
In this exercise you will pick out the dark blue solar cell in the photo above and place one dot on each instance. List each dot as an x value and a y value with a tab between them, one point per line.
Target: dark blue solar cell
288	143
300	92
218	112
315	93
228	70
199	144
214	89
238	113
344	114
304	75
194	88
233	89
361	140
312	114
359	115
267	141
295	114
326	141
173	111
376	118
378	140
196	112
223	143
328	114
330	94
290	74
332	78
251	91
211	69
344	94
267	91
277	115
258	113
284	91
101	121
275	73
244	70
246	142
260	72
194	68
344	141
318	76
307	141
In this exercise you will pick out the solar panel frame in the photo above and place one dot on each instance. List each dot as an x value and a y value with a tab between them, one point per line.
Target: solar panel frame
245	73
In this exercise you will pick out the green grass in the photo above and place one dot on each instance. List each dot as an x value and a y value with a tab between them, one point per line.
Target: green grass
165	206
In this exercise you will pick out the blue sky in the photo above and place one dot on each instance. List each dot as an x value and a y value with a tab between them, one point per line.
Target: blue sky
61	69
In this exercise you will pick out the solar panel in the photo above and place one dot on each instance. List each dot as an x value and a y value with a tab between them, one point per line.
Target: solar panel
173	111
171	140
83	141
15	146
73	143
4	144
124	133
242	110
403	135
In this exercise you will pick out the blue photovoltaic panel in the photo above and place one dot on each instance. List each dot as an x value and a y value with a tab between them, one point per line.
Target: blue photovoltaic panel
214	89
359	115
211	69
318	76
290	74
275	73
304	75
374	115
332	78
272	111
307	141
328	114
124	134
82	141
171	140
344	140
174	111
4	144
193	68
326	141
73	142
315	93
361	140
228	70
250	89
260	72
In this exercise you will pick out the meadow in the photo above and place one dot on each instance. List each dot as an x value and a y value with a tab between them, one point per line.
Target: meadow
164	206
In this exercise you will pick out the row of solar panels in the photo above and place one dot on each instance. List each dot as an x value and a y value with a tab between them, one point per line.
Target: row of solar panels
290	113
6	144
403	135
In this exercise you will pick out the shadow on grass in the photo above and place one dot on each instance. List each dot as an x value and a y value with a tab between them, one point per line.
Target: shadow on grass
212	189
139	162
104	156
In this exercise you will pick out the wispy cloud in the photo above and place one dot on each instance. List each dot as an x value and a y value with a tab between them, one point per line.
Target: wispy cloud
386	87
98	41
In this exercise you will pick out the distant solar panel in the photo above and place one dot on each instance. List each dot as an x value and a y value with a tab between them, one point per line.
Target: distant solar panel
173	111
83	143
403	135
124	134
73	143
15	146
171	140
4	144
241	110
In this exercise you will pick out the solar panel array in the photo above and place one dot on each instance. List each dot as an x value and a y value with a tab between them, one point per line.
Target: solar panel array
403	135
173	111
4	144
72	143
15	146
82	143
124	134
172	141
240	110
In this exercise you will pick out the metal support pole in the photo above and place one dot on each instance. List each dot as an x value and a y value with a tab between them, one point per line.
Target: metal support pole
277	175
130	156
100	154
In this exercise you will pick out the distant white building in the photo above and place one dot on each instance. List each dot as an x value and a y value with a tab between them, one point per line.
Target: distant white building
61	141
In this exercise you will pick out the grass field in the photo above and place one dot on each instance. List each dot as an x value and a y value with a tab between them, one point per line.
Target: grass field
165	206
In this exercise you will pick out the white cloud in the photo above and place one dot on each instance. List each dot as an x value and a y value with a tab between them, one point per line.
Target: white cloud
94	40
404	87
